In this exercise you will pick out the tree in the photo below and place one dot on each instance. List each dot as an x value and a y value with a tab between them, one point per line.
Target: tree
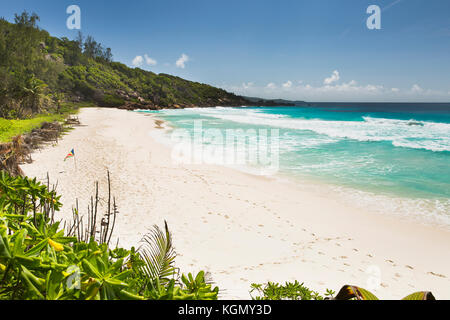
58	98
35	93
26	20
79	40
108	55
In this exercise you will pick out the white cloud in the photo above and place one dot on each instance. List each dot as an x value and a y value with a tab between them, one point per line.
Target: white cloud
150	61
137	61
342	91
333	78
416	89
180	63
287	84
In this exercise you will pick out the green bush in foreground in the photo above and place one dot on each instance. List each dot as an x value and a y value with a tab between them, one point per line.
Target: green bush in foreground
288	291
296	291
39	261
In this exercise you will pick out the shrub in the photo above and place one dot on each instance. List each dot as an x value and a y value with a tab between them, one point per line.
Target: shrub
39	260
288	291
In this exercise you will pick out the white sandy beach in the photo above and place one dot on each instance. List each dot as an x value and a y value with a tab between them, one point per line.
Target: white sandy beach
241	228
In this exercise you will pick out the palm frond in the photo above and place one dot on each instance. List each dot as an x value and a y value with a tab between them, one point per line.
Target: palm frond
158	254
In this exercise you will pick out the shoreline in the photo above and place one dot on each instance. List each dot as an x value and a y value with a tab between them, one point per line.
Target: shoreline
241	228
383	201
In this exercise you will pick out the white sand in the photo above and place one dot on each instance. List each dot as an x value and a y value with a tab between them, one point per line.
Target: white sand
241	228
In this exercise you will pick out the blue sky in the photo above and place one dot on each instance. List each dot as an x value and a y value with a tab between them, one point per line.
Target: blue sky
313	50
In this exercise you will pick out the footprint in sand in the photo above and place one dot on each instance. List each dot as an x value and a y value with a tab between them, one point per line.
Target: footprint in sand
436	274
409	267
390	261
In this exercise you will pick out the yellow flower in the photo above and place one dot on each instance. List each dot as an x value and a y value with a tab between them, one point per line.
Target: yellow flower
57	246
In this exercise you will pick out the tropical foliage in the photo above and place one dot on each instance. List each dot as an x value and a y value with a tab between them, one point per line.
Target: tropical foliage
39	260
288	291
349	292
297	291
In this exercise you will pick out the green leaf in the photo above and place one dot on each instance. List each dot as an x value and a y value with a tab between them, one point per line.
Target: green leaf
90	269
158	255
115	283
92	291
420	295
31	282
348	292
125	295
18	242
4	244
37	248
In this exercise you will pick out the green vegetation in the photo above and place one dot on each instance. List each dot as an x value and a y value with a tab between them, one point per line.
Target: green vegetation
297	291
288	291
349	292
9	128
40	260
38	72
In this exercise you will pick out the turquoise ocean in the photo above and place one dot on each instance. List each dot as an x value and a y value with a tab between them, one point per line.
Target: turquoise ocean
394	158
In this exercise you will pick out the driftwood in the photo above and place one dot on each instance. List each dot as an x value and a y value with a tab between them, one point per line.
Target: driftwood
72	121
11	155
18	151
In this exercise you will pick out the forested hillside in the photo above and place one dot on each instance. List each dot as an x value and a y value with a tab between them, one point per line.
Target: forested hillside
38	72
